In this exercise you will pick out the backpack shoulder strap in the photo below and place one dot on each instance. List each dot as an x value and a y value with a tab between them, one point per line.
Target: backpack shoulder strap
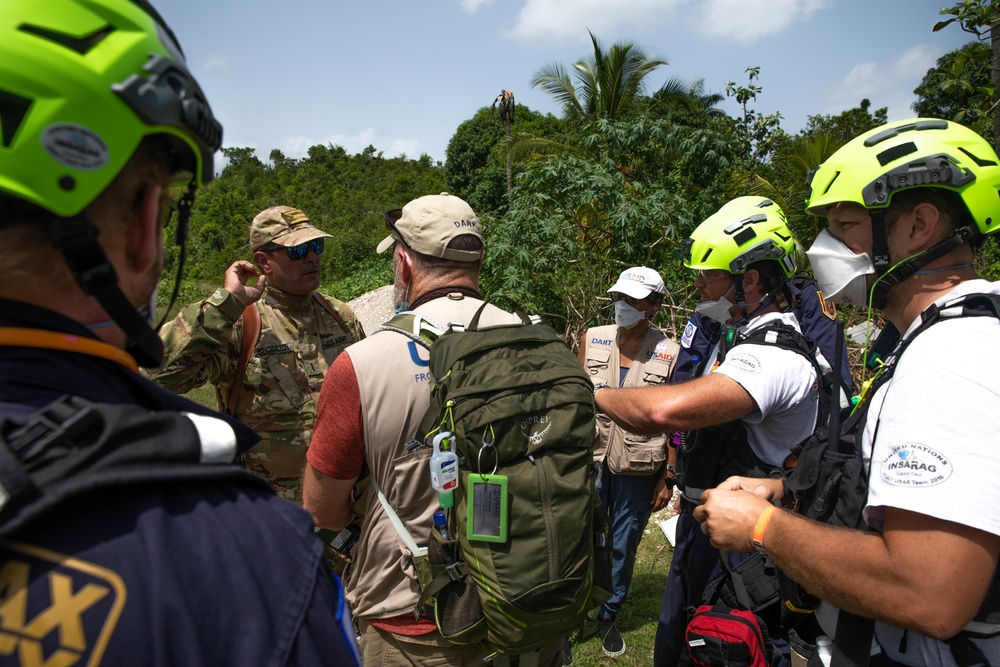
74	446
251	331
414	326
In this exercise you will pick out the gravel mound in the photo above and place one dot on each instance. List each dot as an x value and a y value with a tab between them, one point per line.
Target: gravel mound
373	308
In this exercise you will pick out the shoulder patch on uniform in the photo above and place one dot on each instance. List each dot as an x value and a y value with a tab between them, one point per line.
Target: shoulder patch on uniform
70	619
689	333
915	465
829	307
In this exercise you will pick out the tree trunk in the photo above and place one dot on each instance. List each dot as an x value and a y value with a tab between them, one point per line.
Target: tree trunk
510	173
995	62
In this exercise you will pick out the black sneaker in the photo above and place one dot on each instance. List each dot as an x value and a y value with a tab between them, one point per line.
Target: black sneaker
567	652
611	639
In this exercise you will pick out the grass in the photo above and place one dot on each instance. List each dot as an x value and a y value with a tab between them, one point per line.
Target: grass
638	616
203	395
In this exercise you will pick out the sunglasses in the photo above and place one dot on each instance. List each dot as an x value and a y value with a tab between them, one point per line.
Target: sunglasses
630	300
712	275
391	218
298	252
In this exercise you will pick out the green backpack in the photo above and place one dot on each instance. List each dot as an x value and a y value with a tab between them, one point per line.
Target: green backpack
518	571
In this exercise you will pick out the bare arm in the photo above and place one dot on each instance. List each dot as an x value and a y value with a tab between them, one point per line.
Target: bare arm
328	500
921	573
706	401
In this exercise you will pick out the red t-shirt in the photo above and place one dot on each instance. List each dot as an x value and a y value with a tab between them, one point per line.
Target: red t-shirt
338	450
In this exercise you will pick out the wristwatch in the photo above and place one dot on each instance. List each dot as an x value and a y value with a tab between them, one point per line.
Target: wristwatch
599	385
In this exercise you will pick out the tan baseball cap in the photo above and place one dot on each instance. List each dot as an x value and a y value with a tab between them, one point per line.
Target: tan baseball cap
284	226
428	224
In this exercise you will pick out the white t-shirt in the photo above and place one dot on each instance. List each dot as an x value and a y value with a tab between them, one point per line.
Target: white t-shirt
784	386
937	450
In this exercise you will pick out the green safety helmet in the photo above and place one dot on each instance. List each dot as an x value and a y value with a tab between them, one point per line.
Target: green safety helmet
745	230
913	153
81	83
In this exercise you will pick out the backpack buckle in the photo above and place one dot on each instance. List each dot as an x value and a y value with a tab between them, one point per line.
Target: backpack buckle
62	421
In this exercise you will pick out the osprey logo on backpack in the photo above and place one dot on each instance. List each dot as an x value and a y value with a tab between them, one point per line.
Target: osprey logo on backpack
535	437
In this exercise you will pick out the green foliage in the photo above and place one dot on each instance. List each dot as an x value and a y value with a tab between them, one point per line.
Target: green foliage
577	220
344	195
476	155
756	132
974	16
958	88
846	125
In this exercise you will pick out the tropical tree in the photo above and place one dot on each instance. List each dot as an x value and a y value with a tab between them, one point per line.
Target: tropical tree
609	83
958	88
477	153
982	19
756	132
686	103
505	100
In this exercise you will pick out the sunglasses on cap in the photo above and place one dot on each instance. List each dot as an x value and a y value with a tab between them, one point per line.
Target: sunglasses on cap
391	218
298	252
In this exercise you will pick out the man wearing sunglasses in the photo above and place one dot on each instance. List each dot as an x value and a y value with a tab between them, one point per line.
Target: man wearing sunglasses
272	382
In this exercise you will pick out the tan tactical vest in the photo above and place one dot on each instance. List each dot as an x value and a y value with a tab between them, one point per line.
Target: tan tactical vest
629	453
392	377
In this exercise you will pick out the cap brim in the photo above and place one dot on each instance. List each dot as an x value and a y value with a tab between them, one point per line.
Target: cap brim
300	236
630	289
385	244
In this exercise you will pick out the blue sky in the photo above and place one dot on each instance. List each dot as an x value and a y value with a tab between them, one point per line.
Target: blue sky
402	75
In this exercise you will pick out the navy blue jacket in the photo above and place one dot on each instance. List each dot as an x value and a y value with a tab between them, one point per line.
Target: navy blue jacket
202	571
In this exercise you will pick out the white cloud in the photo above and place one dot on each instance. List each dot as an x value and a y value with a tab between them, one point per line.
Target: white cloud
298	146
471	6
747	21
888	84
217	61
568	20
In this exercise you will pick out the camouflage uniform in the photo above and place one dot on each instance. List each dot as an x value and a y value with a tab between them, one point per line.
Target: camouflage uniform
298	341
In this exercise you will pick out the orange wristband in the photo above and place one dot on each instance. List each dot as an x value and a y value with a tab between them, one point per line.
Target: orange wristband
762	523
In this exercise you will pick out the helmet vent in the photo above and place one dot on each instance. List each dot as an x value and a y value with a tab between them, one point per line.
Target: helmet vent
978	161
81	45
896	152
13	109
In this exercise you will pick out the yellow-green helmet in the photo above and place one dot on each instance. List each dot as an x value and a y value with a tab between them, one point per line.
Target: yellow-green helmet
81	83
745	230
918	152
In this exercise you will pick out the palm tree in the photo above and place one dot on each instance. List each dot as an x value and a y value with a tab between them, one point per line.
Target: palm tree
505	100
610	82
686	100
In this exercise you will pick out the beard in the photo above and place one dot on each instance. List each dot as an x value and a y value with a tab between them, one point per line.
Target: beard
400	294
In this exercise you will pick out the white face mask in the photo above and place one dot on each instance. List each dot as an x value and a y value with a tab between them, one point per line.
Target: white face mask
626	316
718	309
840	271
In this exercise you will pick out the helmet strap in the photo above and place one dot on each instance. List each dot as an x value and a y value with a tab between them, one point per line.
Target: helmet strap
741	298
908	267
76	238
183	216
